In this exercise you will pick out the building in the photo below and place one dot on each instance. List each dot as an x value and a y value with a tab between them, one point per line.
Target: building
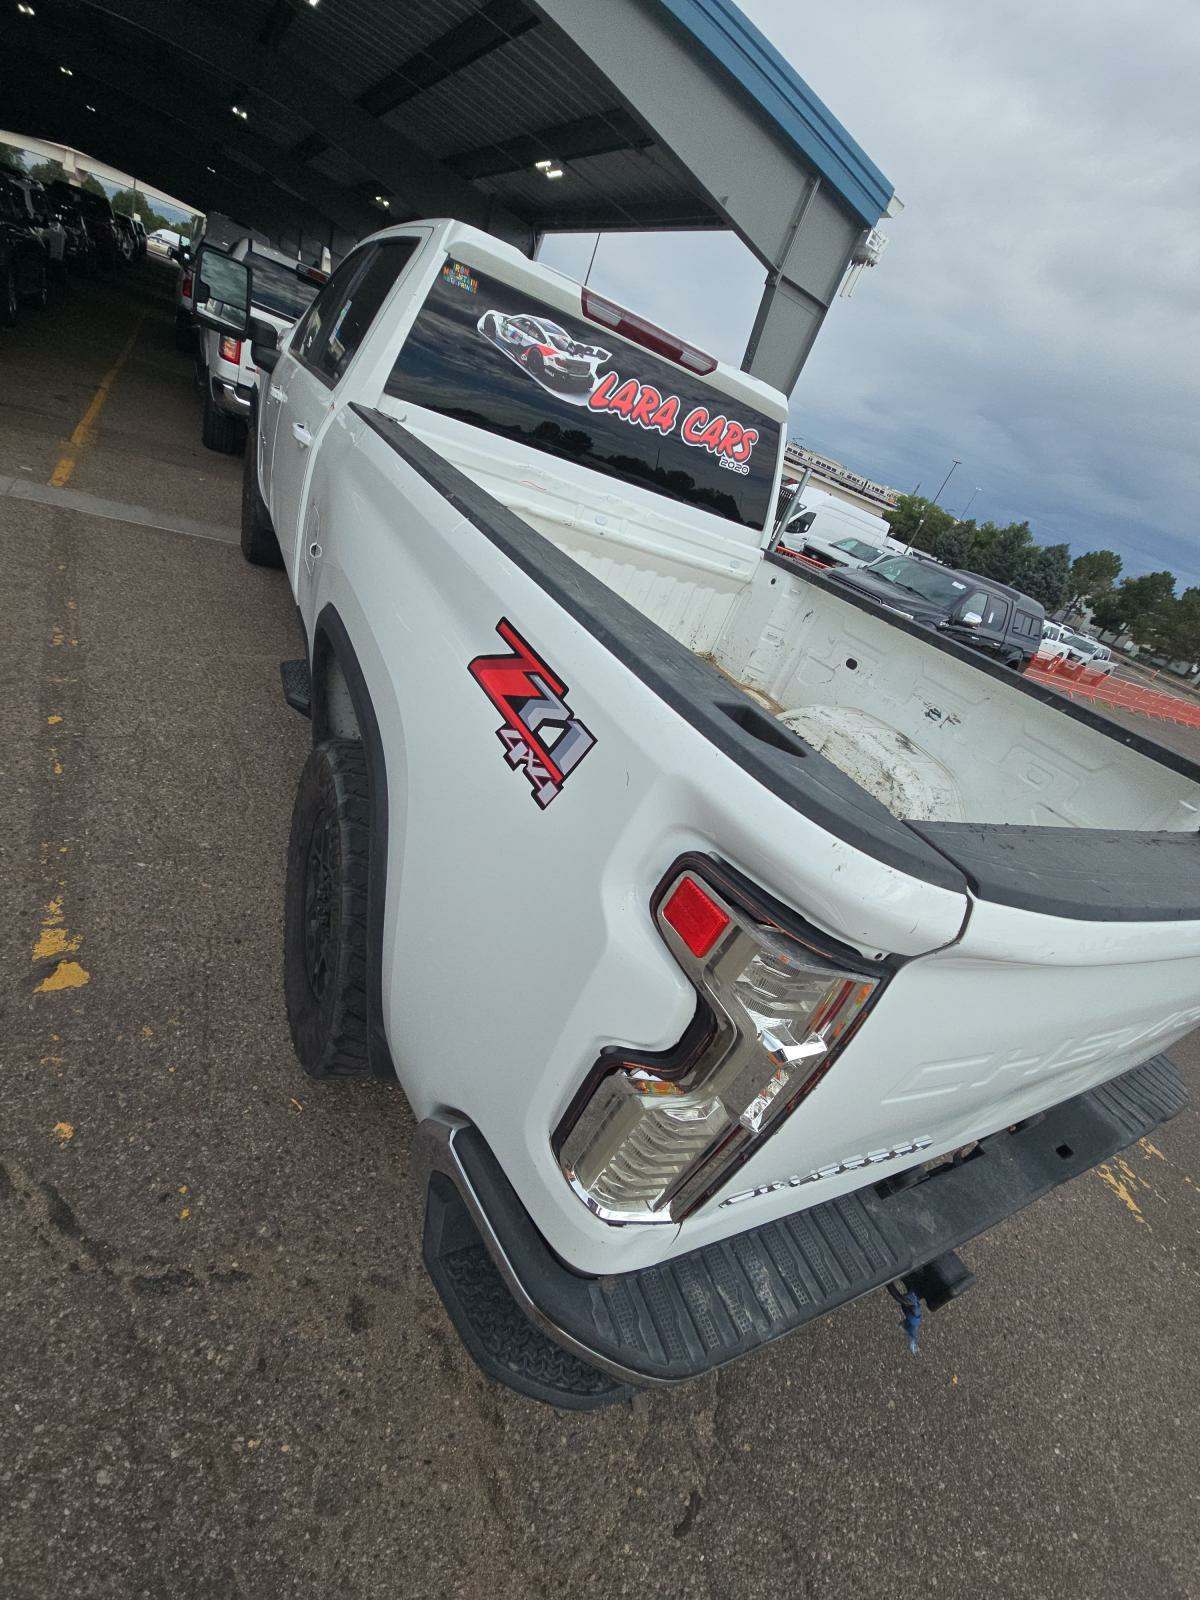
839	480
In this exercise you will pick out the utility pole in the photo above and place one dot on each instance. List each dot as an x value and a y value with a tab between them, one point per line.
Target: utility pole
969	504
933	502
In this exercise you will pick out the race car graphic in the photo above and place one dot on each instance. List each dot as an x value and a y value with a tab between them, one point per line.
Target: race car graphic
546	352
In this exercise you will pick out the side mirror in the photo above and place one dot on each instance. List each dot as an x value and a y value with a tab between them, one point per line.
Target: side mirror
264	344
222	292
970	619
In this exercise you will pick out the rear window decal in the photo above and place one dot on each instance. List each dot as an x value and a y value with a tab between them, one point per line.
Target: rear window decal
540	733
546	352
489	354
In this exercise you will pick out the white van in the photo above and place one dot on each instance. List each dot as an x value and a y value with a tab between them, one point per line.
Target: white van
831	530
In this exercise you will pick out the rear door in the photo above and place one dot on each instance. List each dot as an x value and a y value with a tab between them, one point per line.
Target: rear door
306	387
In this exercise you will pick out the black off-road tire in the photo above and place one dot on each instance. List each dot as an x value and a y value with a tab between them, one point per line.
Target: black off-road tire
259	544
39	296
9	303
325	913
219	431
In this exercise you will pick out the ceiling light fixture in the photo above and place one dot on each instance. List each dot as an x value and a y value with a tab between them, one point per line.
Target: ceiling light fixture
543	166
90	108
240	111
382	200
26	11
66	72
554	172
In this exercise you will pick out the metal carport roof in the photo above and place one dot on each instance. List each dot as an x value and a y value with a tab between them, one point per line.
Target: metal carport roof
658	114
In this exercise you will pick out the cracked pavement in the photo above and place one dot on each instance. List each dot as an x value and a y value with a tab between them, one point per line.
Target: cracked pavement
225	1372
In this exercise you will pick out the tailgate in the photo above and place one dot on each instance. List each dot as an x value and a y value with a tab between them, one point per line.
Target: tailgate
1025	1011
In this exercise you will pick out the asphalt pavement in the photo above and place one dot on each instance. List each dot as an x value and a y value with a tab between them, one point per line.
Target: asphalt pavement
224	1370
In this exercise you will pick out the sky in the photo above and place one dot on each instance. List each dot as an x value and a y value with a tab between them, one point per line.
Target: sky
1037	310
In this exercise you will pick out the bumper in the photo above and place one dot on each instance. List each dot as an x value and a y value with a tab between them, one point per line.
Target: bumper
233	398
533	1324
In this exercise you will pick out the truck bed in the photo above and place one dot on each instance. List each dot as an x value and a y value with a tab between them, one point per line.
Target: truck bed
1052	780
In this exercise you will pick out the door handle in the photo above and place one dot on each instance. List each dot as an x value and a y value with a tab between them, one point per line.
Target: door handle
301	435
278	394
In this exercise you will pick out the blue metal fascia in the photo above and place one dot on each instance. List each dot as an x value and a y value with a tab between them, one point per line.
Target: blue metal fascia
733	40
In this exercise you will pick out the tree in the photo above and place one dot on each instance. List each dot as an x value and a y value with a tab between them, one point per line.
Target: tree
1004	553
125	201
1046	575
11	160
1141	607
953	545
1092	575
917	521
1181	640
48	171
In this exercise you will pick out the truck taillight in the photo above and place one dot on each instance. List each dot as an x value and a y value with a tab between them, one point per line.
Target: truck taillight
186	284
651	1137
231	349
630	326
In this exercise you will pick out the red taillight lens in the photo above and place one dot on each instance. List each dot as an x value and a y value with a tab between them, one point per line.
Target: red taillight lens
697	920
630	326
231	349
186	285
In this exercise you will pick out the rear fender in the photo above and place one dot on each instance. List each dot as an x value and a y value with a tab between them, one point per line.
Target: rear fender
342	709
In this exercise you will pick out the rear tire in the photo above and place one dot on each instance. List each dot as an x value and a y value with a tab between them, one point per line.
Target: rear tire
325	913
8	297
220	432
259	544
39	296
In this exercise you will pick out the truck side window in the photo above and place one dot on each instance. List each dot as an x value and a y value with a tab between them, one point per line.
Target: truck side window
338	321
995	613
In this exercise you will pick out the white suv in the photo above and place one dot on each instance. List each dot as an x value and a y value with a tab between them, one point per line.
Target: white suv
283	289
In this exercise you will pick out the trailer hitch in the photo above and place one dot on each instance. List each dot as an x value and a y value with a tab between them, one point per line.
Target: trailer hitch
936	1283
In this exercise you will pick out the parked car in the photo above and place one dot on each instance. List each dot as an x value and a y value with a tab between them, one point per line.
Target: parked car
283	289
988	616
1062	643
42	217
741	945
24	261
128	243
102	227
827	552
81	253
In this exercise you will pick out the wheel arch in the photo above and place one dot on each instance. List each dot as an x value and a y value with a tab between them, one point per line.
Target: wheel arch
342	709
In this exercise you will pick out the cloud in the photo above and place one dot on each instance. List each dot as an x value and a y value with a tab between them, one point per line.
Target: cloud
1037	312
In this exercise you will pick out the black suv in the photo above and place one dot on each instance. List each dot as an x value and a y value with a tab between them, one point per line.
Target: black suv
979	612
24	261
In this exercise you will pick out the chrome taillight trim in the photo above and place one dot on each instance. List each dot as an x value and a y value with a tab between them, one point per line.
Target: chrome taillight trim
735	1052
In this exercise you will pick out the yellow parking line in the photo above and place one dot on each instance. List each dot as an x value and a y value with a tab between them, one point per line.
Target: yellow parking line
83	428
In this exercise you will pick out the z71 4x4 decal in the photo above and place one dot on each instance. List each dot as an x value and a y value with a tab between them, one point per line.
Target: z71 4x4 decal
540	733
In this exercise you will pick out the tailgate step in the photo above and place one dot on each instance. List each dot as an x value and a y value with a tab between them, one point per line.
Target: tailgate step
697	1311
297	686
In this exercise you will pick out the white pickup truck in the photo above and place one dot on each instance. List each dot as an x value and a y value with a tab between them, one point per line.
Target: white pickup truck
741	946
